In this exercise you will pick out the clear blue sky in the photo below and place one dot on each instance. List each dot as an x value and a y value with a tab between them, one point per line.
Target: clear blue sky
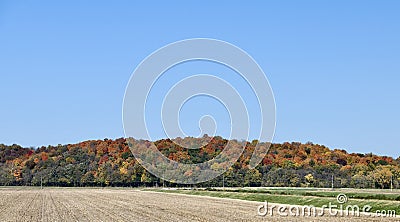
334	66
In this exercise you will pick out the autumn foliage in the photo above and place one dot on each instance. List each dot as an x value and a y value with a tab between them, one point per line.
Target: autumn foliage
111	163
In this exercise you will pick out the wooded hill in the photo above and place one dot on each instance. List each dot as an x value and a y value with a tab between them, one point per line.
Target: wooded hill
111	163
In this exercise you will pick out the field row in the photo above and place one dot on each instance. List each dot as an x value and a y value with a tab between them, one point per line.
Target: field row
84	204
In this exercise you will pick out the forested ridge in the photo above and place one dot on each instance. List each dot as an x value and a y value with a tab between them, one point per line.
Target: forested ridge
111	163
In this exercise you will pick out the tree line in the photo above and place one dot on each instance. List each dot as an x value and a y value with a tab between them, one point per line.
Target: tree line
111	163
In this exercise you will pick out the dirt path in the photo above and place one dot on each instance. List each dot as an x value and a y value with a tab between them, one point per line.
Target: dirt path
82	204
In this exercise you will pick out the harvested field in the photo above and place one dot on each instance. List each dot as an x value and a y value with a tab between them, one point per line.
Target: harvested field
84	204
